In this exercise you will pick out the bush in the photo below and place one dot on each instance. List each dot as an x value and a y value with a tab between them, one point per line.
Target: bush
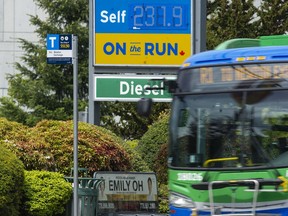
45	193
137	163
163	199
161	166
11	182
49	146
152	140
9	129
154	149
161	170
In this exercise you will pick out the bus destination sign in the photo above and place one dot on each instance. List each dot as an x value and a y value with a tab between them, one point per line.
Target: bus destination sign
210	75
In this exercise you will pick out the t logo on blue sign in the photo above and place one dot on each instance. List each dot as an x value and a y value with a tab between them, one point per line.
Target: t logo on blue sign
58	42
53	41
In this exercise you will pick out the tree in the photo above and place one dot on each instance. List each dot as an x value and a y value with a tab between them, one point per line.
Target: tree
46	91
230	19
273	17
126	122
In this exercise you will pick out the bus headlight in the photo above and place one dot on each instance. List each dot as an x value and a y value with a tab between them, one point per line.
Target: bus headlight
180	201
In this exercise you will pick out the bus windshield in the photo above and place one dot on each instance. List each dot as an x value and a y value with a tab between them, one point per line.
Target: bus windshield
230	117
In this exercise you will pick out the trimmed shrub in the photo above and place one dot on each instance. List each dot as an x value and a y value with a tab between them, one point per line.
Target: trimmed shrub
161	170
163	198
137	163
153	148
49	146
11	182
10	129
152	140
161	166
45	193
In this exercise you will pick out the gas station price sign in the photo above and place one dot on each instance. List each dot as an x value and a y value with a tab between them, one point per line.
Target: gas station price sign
159	16
146	32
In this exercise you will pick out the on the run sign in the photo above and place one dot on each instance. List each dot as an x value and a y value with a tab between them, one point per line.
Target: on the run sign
149	32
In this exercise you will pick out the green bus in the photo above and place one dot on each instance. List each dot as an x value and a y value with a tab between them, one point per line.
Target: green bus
228	140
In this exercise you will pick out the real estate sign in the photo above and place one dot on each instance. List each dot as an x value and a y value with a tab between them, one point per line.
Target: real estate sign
127	192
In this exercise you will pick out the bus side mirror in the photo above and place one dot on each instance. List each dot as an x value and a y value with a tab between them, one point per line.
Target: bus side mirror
171	85
144	106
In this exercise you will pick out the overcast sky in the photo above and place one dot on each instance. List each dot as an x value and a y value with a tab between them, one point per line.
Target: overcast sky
257	2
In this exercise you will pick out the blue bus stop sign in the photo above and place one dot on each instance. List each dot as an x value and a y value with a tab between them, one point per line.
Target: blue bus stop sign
59	49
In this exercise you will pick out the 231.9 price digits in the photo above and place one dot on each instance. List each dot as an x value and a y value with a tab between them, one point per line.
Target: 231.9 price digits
156	16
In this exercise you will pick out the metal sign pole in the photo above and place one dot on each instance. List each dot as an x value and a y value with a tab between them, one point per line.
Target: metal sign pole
75	121
199	26
91	119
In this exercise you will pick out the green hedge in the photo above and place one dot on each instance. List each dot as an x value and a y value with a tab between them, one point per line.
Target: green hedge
45	193
151	142
153	148
49	146
11	182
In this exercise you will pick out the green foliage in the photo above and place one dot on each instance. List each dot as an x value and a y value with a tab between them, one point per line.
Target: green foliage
152	140
230	19
273	17
153	147
132	143
47	90
11	182
46	193
12	111
137	163
10	129
241	19
49	146
161	165
161	170
128	124
163	198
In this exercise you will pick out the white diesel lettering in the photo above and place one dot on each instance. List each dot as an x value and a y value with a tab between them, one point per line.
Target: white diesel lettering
130	88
